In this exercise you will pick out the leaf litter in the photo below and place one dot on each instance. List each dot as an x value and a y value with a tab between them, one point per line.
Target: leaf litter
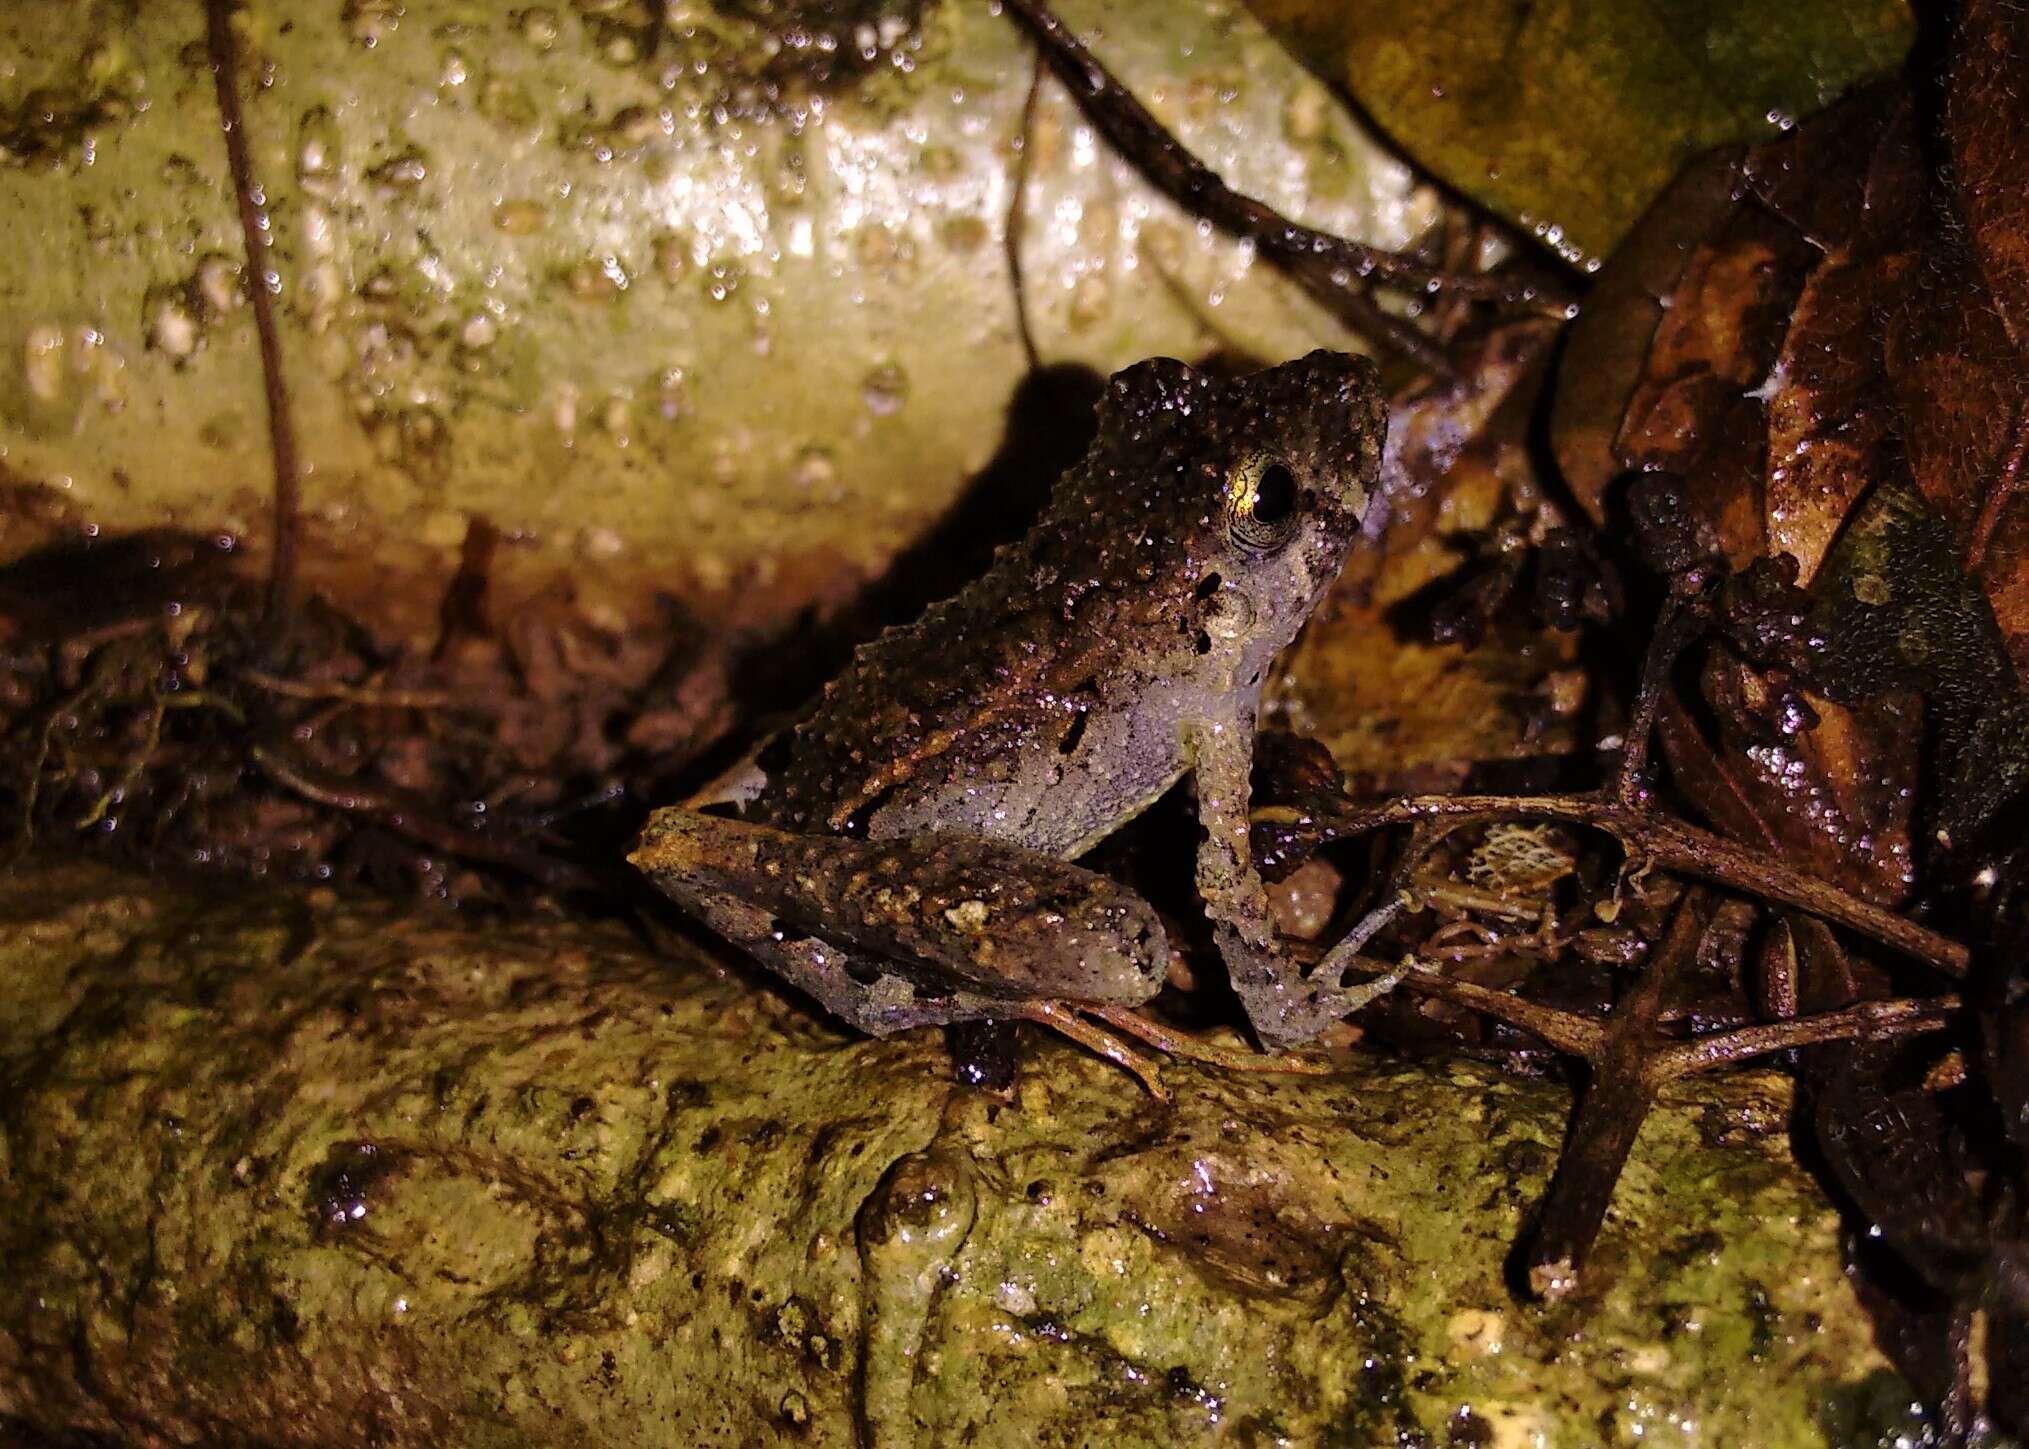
1727	583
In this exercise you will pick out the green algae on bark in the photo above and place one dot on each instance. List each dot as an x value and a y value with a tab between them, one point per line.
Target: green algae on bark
280	1168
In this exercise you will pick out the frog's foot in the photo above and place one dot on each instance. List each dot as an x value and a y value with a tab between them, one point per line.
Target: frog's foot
1190	1049
1289	1006
1062	1018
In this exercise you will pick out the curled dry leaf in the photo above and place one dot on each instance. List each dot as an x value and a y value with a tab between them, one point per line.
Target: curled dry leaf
1823	368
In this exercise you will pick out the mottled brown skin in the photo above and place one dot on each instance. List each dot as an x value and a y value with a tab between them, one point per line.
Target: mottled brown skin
1117	647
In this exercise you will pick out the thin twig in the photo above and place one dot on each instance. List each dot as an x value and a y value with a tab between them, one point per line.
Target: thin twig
1869	1021
1568	1032
262	281
349	693
1012	231
1330	268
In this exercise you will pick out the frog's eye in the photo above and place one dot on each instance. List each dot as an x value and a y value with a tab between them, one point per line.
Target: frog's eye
1263	503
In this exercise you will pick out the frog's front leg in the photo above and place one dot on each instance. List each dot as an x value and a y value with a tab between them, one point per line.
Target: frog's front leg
918	931
1284	1007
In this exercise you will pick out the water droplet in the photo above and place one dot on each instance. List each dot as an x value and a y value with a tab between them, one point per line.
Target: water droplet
723	281
317	145
454	70
479	332
886	388
369	22
539	27
42	361
405	172
669	394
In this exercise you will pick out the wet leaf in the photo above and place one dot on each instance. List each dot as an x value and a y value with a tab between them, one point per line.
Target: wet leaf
1904	1160
1829	403
1570	116
1987	117
1827	379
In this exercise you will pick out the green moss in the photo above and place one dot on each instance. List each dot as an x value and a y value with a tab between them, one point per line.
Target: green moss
329	1174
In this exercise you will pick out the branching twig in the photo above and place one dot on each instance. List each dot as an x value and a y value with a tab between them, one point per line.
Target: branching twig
420	820
1666	843
1330	268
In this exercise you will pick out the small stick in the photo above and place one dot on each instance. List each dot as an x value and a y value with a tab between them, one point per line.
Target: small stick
1869	1021
1012	231
256	236
1326	266
1566	1031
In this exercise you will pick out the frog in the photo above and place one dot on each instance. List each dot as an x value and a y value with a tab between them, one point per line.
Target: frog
906	852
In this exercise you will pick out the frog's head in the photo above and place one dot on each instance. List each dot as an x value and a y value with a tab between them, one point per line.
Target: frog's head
1262	483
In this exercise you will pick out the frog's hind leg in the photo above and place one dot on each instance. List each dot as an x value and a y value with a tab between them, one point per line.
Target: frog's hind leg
884	1004
918	931
858	992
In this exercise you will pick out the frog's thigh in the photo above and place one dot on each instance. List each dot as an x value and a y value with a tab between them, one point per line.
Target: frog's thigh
995	922
853	989
1284	1008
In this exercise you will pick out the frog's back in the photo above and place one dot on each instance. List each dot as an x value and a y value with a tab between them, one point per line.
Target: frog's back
1148	592
1017	687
